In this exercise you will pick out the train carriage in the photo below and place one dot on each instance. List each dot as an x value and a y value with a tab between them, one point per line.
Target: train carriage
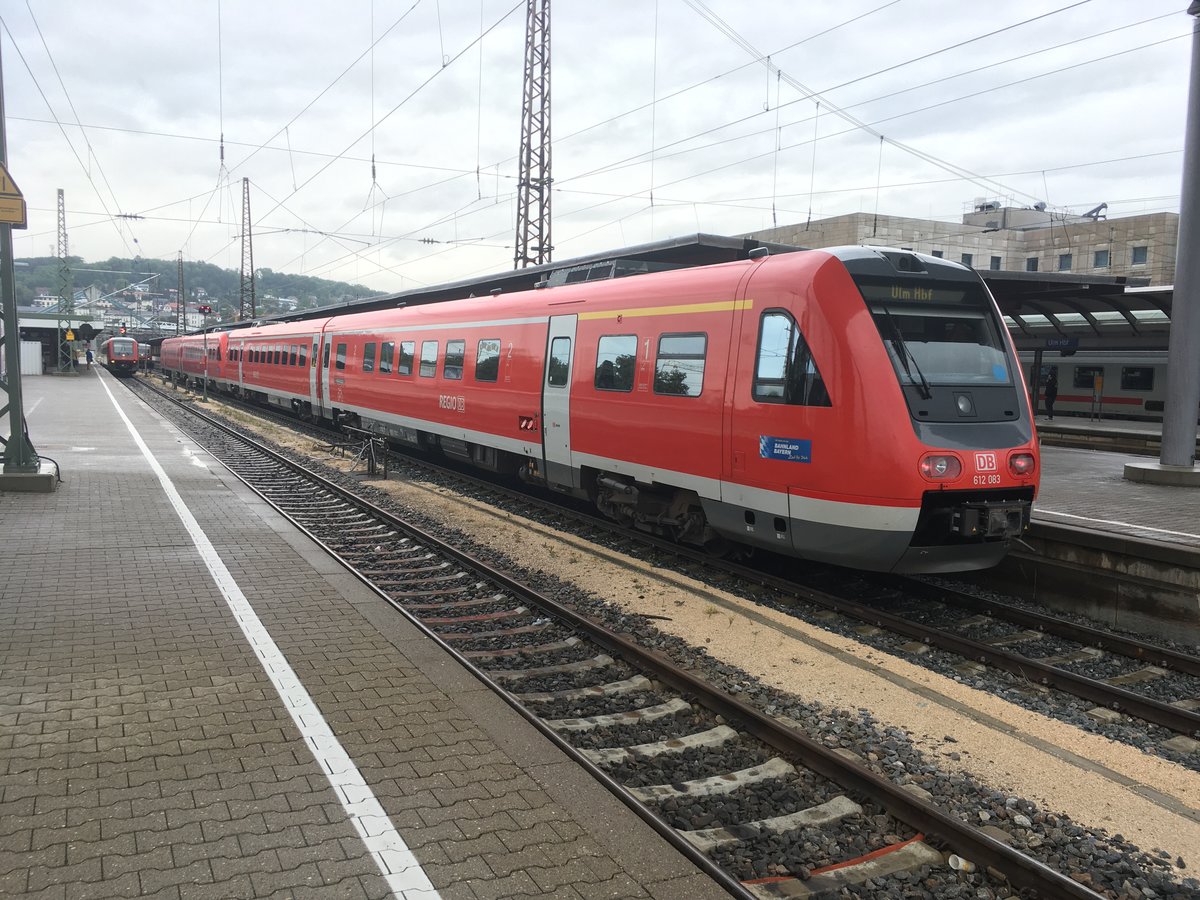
120	355
194	357
855	406
1117	384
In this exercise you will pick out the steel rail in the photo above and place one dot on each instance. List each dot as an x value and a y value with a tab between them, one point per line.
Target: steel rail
1084	634
1022	871
1173	718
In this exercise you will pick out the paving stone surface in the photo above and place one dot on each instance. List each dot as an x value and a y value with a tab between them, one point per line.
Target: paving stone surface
145	752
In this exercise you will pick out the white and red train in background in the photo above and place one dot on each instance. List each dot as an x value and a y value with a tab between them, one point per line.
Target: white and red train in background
1110	384
856	406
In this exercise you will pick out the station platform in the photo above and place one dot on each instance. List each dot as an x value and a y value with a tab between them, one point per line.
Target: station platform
197	702
1084	485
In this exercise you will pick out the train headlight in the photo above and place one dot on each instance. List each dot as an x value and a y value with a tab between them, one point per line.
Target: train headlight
1022	464
941	467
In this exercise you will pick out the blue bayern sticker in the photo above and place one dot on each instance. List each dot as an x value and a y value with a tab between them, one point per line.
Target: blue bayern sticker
999	372
787	449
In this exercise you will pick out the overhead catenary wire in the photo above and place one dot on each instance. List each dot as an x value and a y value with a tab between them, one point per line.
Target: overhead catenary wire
54	116
431	167
75	114
662	195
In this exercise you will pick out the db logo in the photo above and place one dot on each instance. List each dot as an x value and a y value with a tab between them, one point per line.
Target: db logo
985	462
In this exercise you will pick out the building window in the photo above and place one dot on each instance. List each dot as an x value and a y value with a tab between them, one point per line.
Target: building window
939	253
1100	259
995	263
968	259
1064	262
1031	264
1140	256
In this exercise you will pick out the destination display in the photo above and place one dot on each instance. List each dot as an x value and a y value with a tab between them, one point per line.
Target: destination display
909	292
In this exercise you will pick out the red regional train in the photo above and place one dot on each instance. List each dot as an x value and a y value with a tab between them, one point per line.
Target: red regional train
857	406
120	355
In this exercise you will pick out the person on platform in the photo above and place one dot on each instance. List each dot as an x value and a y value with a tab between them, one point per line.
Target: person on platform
1051	393
90	356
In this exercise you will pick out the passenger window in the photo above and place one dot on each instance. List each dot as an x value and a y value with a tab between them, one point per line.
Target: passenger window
369	357
293	352
1137	378
404	364
616	361
456	352
1085	376
786	371
429	358
679	369
558	367
341	357
387	350
315	358
487	360
302	359
326	356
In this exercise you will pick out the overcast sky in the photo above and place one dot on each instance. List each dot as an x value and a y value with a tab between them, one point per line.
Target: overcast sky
669	117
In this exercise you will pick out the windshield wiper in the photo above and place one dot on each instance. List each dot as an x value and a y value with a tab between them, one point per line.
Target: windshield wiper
905	355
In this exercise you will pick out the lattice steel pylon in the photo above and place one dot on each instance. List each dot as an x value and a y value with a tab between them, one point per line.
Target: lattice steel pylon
66	291
247	308
533	244
180	300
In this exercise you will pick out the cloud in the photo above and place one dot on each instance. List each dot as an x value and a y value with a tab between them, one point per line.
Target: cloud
664	101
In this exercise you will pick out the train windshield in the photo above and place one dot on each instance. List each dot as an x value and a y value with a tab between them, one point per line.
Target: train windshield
122	345
949	337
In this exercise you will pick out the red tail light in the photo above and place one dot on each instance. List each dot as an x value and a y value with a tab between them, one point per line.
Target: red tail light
1022	464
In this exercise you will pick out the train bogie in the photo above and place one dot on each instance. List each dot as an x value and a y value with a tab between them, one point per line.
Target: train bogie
853	406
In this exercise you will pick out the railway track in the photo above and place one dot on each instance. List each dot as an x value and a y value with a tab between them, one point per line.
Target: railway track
1135	691
768	811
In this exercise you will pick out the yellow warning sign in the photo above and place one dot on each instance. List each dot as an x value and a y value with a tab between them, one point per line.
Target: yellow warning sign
70	335
12	202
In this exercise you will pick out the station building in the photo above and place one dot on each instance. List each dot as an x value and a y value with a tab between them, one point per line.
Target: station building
998	238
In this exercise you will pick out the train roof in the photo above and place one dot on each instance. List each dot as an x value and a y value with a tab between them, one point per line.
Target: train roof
1036	305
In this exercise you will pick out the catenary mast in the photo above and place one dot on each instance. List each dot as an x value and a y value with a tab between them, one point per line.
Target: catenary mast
533	243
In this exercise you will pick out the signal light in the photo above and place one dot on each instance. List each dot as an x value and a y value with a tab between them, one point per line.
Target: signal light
1021	464
941	467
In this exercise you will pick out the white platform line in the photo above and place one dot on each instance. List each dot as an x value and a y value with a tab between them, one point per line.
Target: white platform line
1052	512
396	862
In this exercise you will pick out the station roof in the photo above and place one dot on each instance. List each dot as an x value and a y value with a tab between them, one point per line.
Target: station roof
1095	312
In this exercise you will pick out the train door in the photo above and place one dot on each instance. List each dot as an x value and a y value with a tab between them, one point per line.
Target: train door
316	391
556	402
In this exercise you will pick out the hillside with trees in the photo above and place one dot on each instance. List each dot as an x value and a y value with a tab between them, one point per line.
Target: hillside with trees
220	288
